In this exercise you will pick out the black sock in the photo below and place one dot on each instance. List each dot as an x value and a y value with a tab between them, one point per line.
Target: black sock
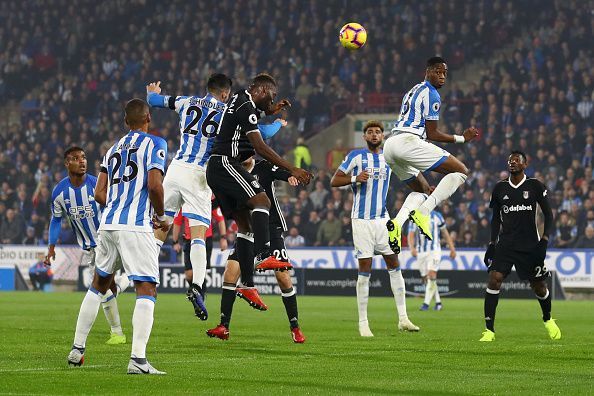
260	226
290	301
227	301
491	300
545	305
245	255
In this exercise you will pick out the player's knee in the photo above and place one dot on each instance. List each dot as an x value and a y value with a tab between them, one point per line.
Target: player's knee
259	200
539	288
101	284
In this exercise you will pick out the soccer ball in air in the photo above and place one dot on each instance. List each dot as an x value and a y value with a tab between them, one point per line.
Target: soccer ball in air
352	36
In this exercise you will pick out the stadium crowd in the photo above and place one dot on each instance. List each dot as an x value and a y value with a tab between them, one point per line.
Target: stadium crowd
70	84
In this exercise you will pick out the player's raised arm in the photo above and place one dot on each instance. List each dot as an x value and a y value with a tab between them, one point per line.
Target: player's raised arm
269	130
436	135
155	99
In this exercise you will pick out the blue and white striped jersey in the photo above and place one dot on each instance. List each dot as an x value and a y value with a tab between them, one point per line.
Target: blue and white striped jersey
424	245
369	198
127	164
199	119
78	205
419	104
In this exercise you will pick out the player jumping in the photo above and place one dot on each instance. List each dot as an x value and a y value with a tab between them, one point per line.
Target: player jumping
237	191
366	171
428	254
266	174
408	152
515	241
131	184
185	183
73	198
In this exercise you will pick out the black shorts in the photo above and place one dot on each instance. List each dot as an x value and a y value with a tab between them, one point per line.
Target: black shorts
188	246
527	267
231	183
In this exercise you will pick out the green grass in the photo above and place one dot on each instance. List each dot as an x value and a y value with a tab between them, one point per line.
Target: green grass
444	358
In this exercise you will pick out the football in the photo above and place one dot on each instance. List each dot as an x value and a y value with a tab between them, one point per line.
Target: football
352	36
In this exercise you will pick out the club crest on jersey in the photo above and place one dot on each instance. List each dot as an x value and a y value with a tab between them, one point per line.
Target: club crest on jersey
255	184
526	194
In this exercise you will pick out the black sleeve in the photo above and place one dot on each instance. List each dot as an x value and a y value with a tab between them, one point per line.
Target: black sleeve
280	173
247	118
543	202
171	102
495	219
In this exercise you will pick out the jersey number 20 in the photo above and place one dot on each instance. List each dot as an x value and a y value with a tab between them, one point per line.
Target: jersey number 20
203	124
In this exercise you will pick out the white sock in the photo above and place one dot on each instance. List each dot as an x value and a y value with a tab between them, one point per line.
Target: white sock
446	187
86	316
112	314
363	294
142	324
437	298
412	202
122	283
198	260
429	290
399	291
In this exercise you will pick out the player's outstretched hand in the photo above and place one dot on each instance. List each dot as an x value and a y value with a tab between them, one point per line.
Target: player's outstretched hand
160	225
470	134
489	254
51	255
283	122
154	87
293	181
362	177
452	254
303	176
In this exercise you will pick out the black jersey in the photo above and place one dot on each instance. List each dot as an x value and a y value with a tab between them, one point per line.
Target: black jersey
266	173
516	207
239	119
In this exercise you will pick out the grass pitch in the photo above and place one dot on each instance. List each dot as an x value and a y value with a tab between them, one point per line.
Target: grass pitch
444	358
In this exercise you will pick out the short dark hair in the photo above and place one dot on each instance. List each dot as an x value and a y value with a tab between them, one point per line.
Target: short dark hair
373	124
263	79
71	150
135	112
435	60
520	153
219	82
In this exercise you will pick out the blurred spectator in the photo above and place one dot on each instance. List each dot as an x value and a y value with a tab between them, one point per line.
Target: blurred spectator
12	229
336	155
40	275
302	154
330	231
30	238
294	239
586	241
310	228
566	231
318	196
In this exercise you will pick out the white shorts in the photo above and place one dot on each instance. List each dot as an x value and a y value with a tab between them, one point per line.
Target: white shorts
407	155
137	252
370	237
428	261
185	186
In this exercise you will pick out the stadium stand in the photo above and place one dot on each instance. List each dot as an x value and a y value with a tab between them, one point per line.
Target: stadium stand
67	86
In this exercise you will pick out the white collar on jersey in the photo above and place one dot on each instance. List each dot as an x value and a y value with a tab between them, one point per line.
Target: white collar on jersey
519	184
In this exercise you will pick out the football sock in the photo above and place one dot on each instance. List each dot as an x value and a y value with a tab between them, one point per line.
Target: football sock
412	202
261	228
290	302
545	305
491	300
142	324
110	309
429	290
86	316
198	261
227	301
445	188
363	294
436	292
399	291
245	253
